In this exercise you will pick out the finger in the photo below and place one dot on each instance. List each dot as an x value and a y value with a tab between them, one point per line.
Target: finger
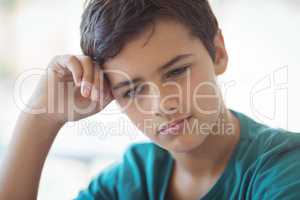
96	86
107	93
72	64
87	76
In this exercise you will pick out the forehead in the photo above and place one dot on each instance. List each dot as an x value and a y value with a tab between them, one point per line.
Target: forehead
149	50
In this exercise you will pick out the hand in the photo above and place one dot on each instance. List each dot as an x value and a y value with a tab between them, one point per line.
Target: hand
73	88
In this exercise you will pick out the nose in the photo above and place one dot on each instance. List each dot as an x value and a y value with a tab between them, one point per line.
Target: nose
166	102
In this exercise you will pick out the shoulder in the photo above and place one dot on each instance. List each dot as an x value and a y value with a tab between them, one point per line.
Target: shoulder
272	156
140	163
272	142
143	154
277	173
268	158
261	140
127	175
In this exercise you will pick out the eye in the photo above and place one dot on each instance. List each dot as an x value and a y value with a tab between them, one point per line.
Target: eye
132	93
177	72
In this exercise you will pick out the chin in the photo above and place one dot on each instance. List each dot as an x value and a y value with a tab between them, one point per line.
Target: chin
185	144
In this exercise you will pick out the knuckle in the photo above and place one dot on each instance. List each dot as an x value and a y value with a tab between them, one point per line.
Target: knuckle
71	59
86	59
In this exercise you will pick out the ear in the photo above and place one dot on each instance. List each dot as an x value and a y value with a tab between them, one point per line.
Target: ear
221	57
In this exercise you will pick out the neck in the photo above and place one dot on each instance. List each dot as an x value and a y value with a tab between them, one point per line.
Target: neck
212	155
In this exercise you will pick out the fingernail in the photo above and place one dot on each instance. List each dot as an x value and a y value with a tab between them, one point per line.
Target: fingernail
86	88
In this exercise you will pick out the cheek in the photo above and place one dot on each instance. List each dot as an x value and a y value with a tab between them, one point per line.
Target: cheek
205	97
144	122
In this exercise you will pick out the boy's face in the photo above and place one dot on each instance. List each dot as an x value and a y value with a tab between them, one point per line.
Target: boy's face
185	89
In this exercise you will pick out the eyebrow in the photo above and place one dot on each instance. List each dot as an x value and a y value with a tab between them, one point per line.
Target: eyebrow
161	68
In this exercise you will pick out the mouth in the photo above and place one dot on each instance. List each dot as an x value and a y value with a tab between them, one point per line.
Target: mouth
173	127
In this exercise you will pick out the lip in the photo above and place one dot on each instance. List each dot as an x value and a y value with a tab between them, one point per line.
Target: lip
172	123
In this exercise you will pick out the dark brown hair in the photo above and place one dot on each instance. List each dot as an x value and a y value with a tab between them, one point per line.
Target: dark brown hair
108	24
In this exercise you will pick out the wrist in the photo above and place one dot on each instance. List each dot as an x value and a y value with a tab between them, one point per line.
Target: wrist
38	110
43	121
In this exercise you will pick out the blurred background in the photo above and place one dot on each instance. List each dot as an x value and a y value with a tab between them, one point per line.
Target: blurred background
262	79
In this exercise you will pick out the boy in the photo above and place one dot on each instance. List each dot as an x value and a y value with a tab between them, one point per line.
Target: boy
160	59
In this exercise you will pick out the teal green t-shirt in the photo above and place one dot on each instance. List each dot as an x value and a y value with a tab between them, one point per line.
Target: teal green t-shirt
265	165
